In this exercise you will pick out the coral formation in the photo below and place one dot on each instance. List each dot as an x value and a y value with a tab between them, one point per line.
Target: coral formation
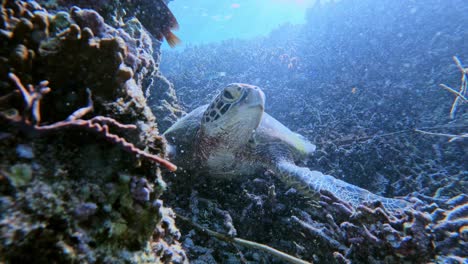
331	232
66	194
75	195
99	124
144	50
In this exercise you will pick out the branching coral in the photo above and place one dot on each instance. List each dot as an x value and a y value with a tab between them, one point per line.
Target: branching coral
99	124
461	94
459	99
370	234
333	233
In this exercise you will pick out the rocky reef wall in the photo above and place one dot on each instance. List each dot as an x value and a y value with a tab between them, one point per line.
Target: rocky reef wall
81	156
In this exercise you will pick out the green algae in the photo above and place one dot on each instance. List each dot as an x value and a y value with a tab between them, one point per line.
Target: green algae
21	174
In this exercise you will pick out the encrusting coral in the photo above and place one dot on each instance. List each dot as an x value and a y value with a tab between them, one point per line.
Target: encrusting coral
67	189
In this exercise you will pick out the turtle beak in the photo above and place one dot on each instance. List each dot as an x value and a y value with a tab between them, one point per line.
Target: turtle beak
255	98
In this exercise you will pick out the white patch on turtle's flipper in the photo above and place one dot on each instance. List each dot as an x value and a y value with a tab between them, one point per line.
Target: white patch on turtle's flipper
274	129
304	144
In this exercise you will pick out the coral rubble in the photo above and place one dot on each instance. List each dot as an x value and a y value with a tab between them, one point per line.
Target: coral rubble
356	79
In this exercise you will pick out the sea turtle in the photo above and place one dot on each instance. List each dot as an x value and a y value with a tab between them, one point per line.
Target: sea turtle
233	136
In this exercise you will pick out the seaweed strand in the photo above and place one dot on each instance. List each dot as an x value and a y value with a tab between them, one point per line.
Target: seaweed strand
246	243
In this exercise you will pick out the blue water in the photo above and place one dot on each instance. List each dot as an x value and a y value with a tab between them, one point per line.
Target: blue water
207	21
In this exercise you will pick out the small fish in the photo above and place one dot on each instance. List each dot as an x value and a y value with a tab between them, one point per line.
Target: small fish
156	16
169	22
215	75
354	90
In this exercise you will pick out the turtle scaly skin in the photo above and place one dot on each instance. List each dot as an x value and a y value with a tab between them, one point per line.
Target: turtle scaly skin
233	137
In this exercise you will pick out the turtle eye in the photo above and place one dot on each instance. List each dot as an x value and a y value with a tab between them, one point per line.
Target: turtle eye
232	93
228	95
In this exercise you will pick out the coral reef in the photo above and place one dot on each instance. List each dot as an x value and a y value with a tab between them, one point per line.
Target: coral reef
69	190
118	11
143	56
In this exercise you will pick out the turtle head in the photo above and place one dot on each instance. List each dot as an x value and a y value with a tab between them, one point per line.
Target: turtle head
234	114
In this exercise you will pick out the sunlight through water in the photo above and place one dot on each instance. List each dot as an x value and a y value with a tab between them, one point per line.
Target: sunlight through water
207	21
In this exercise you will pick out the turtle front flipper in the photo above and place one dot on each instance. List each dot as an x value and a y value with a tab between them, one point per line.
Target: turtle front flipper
315	181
